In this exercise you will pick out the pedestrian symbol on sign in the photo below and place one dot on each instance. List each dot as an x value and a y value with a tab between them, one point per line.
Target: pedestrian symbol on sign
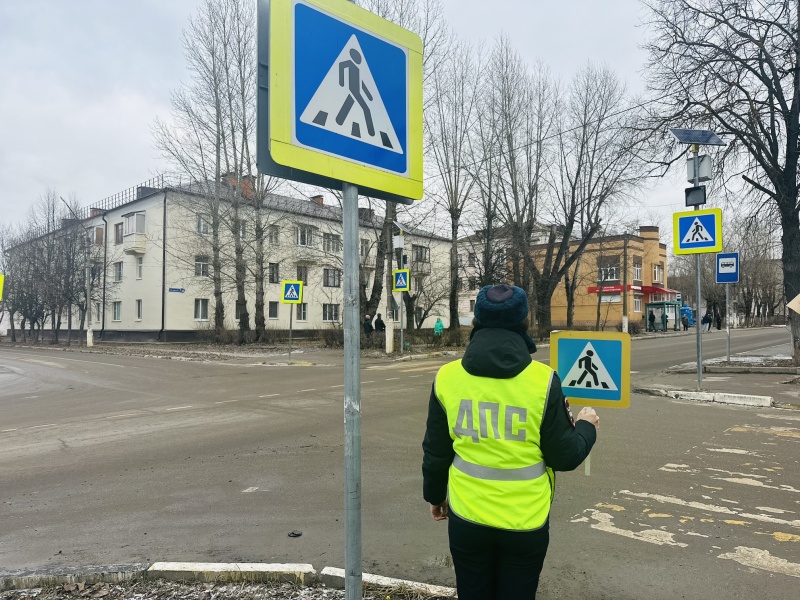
291	293
589	372
697	233
350	82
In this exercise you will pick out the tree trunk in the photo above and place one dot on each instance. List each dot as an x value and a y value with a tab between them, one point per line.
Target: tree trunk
455	324
790	222
69	325
13	328
261	323
241	299
544	313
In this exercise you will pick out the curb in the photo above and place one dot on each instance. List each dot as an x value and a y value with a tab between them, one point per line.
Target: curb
717	397
735	370
335	578
299	574
20	580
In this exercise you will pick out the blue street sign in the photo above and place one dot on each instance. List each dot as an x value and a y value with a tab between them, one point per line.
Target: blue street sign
401	280
697	232
728	267
594	368
292	292
177	290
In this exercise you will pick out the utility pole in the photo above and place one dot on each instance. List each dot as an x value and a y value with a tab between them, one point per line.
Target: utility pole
625	284
698	333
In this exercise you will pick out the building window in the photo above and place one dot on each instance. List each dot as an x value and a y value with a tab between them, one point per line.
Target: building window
117	233
239	310
302	312
471	259
201	266
473	284
637	271
274	273
331	278
203	226
272	312
99	236
118	271
610	298
116	311
201	309
418	315
637	304
418	284
134	223
365	246
273	235
394	314
658	297
302	273
139	266
138	310
330	312
331	242
658	272
97	314
472	306
420	254
305	236
608	273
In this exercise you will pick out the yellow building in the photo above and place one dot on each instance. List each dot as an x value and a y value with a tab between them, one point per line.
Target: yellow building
600	280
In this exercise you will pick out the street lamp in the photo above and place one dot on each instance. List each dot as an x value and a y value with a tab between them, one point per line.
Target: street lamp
696	197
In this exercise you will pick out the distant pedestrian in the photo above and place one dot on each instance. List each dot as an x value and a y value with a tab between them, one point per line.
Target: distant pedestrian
706	322
438	327
664	319
380	326
719	321
368	326
685	322
652	320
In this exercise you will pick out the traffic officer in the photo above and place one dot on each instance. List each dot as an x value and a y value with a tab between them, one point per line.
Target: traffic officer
498	427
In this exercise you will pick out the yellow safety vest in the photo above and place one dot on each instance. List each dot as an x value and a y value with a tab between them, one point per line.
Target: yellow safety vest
498	476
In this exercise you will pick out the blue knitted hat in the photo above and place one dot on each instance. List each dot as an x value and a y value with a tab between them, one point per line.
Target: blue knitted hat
501	306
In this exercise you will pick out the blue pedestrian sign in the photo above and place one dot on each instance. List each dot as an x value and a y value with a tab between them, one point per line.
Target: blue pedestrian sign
594	368
698	231
345	95
728	267
401	280
292	292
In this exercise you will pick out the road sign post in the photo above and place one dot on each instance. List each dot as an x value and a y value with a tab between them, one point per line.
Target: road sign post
339	104
292	294
728	273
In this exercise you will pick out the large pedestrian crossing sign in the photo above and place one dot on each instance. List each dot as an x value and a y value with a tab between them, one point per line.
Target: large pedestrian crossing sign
697	231
345	95
594	367
292	292
401	280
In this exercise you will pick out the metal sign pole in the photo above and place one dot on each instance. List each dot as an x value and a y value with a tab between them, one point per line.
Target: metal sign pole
699	334
401	322
352	396
290	332
728	316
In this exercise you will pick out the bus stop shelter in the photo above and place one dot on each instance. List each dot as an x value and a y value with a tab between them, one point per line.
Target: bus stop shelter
661	309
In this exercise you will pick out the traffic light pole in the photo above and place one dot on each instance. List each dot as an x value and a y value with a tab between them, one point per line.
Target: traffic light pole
698	333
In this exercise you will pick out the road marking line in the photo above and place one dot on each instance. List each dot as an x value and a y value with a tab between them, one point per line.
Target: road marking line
363	382
249	490
391	379
311	390
7	430
40	426
226	401
430	368
269	395
179	407
605	522
88	362
412	376
340	385
120	416
783	417
762	559
732	451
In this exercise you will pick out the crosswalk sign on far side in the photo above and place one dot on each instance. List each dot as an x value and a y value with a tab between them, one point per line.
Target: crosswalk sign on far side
697	231
292	292
594	368
401	280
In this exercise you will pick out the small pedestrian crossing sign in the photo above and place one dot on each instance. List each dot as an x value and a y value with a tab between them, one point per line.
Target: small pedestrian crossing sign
594	368
698	231
401	281
292	292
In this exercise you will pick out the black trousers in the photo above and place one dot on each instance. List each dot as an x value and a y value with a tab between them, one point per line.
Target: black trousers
495	564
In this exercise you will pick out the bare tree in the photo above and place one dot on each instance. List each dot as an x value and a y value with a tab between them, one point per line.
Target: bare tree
735	67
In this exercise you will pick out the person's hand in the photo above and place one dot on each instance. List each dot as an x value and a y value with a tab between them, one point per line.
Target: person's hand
588	414
439	511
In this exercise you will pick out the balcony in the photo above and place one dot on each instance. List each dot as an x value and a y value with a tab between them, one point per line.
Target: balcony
307	254
420	268
134	243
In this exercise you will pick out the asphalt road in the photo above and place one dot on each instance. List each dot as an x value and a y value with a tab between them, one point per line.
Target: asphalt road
113	459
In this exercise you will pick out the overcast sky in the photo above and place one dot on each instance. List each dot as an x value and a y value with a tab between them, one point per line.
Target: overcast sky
81	83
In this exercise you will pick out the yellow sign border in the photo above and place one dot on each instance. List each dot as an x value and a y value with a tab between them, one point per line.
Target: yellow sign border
2	283
408	280
625	384
676	235
282	146
286	282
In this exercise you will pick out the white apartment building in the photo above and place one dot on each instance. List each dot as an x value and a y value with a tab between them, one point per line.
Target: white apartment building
153	244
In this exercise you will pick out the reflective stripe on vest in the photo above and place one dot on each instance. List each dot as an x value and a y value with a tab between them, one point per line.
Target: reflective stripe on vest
498	474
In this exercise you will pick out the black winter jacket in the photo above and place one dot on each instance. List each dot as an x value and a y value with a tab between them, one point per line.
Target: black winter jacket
503	354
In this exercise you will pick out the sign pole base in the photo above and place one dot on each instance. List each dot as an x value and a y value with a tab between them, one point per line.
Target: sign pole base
587	465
